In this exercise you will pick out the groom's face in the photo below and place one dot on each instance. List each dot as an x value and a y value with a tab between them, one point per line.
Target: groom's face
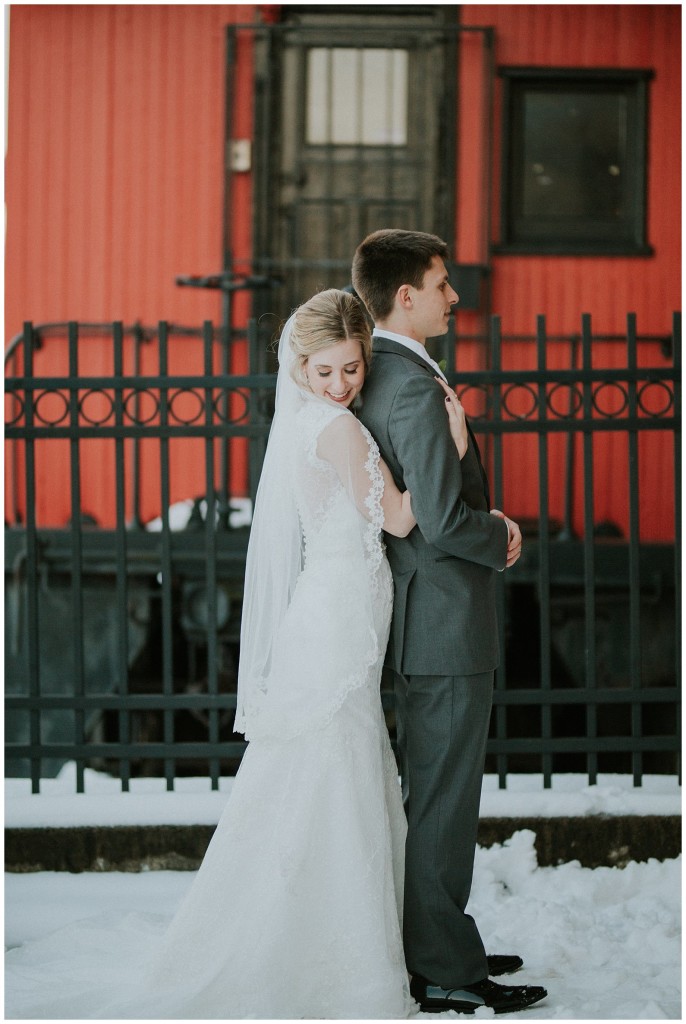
432	302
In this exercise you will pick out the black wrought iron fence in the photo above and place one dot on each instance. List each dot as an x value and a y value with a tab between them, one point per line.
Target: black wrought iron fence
121	641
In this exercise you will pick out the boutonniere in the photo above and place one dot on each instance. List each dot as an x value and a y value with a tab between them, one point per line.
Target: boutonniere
442	363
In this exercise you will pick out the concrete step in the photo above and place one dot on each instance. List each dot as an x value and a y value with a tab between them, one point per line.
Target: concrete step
593	840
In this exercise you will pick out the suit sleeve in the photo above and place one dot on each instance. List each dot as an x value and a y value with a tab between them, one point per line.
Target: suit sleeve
432	472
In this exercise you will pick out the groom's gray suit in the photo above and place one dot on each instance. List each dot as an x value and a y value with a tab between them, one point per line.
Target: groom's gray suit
443	650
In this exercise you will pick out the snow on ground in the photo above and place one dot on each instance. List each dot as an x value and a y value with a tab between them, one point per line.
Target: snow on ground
194	803
605	942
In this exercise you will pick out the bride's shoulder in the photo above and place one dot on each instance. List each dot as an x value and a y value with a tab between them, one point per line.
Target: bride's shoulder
318	415
349	428
317	428
345	435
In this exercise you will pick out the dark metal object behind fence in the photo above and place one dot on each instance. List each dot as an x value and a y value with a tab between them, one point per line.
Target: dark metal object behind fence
138	676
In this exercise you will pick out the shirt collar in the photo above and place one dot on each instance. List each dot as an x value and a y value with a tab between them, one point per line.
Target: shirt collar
412	344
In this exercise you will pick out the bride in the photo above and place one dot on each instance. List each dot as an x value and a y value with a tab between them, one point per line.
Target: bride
296	909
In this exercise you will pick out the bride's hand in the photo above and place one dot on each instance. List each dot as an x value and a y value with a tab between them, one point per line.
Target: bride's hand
456	418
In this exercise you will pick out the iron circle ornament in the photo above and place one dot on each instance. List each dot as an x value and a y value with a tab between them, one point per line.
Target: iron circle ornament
472	396
574	404
135	416
43	407
92	397
13	399
236	408
655	387
182	397
609	388
523	390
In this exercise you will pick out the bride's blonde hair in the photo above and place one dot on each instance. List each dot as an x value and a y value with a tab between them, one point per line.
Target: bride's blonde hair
327	318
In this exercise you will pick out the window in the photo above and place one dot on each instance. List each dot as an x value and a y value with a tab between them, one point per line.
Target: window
574	161
357	96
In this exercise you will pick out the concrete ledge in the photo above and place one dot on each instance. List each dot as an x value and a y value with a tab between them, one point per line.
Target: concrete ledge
601	840
99	848
594	840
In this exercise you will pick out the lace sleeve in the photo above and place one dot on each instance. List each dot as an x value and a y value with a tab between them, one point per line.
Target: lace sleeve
349	448
352	451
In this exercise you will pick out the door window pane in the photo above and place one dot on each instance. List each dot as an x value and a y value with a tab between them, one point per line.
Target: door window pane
356	97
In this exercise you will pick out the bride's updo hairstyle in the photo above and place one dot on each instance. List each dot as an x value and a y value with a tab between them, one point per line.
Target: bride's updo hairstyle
327	318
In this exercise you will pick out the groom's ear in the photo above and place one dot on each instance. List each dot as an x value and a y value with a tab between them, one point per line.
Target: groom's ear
404	296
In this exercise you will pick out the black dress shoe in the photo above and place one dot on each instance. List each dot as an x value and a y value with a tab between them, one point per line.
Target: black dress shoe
500	964
499	998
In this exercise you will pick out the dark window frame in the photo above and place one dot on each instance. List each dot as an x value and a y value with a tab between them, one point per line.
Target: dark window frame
589	236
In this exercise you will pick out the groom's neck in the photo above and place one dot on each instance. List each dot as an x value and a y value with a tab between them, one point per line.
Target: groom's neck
399	325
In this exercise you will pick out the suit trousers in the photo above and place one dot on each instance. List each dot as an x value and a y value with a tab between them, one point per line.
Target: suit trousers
442	728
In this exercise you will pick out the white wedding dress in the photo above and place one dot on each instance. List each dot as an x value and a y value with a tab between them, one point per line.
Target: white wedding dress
296	909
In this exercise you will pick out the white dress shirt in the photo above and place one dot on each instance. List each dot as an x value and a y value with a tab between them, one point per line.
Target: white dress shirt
414	346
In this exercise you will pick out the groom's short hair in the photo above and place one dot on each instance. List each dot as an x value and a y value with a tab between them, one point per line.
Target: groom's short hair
389	258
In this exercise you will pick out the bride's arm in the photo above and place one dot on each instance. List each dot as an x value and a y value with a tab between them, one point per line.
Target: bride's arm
344	445
397	511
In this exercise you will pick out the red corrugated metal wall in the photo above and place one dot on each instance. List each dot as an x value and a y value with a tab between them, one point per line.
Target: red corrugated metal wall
115	163
114	186
602	36
115	183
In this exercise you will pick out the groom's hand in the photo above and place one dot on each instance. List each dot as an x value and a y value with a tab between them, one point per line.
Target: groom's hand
514	538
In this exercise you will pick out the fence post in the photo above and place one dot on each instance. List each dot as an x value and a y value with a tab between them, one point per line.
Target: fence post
589	543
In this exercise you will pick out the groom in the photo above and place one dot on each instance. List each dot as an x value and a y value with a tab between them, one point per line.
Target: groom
443	647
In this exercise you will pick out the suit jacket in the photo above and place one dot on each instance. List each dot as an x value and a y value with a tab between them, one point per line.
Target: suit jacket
444	615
